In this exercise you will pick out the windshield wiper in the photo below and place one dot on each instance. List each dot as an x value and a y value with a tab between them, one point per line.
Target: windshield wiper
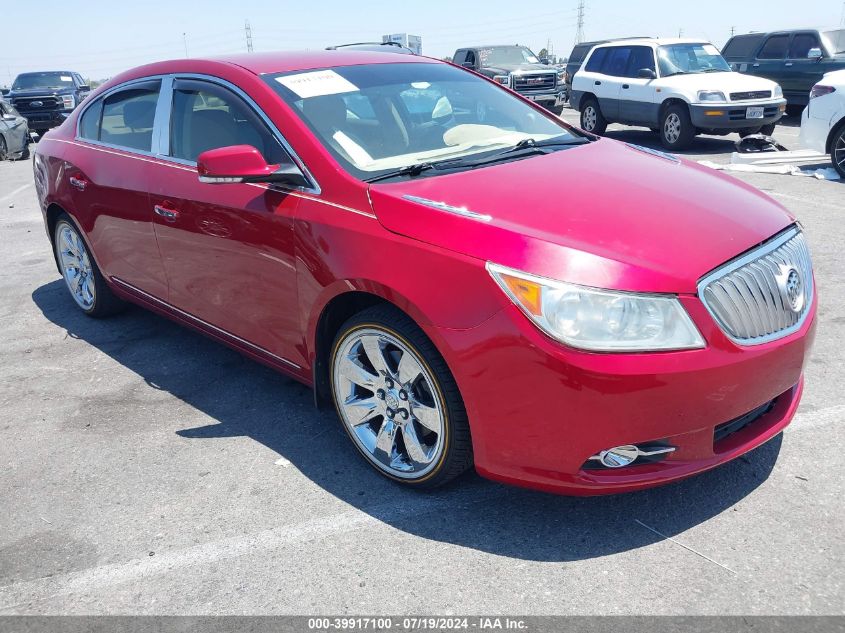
713	70
409	170
679	72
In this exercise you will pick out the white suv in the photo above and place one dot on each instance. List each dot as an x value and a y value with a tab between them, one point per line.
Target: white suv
823	120
677	87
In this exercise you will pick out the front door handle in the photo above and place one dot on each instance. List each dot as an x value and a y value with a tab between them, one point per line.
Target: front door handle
625	86
598	83
168	214
78	183
788	64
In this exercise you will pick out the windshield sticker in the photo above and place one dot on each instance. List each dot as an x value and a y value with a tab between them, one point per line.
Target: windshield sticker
710	49
66	78
317	84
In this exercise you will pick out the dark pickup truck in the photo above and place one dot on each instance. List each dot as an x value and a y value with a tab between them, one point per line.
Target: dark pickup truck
46	99
795	59
520	70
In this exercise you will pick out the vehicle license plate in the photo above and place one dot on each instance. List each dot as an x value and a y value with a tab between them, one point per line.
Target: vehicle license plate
754	113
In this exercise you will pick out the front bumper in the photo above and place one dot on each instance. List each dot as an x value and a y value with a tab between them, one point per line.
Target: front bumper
732	116
39	120
539	410
555	98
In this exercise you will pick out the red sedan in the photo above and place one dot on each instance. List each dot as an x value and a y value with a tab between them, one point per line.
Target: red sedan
466	278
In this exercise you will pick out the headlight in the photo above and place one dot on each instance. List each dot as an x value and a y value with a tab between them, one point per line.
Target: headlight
502	79
68	102
778	92
599	320
711	95
561	77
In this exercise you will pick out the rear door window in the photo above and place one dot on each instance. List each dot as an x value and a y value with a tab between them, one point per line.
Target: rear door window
125	117
775	47
742	46
89	122
596	62
801	45
617	61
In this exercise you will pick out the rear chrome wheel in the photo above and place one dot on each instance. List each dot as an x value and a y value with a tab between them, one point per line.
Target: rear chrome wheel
79	270
76	265
397	399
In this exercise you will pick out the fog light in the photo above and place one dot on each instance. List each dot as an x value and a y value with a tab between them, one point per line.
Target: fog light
627	454
619	456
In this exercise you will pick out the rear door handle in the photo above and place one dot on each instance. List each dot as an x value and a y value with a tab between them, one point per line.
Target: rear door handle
168	214
788	64
598	83
756	65
625	86
78	183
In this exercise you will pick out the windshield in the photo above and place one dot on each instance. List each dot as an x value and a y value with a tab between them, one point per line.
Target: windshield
690	58
498	55
381	117
836	41
43	80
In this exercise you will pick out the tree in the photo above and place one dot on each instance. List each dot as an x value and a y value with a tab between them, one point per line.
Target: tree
544	54
446	59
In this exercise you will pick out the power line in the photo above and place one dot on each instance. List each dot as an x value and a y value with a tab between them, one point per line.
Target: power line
248	31
185	41
579	34
842	19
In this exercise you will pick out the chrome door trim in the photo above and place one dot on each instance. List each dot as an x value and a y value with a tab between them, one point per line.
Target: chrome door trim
448	208
196	320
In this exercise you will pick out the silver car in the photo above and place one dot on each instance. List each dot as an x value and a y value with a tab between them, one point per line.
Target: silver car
14	133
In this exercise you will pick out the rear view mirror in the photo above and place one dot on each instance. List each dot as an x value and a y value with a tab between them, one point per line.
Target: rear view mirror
646	73
815	53
244	163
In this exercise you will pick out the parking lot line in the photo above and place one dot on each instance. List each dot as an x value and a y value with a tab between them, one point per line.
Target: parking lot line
15	192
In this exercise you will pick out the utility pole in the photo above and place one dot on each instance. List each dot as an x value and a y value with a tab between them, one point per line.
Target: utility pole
733	30
248	31
185	42
680	32
842	19
579	34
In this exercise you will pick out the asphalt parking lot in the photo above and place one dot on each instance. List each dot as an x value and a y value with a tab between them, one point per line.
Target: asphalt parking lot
145	469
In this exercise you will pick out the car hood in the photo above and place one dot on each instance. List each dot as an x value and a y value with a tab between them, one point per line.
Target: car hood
605	214
724	81
519	68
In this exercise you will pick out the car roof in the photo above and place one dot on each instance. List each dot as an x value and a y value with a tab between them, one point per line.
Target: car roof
494	46
278	62
655	41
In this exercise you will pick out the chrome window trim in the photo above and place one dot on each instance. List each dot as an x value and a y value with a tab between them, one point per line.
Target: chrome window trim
161	125
761	251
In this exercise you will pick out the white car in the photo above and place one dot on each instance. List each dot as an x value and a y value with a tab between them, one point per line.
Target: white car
823	120
679	87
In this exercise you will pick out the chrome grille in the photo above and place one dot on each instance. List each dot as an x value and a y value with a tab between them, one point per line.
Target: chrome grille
745	96
528	83
765	294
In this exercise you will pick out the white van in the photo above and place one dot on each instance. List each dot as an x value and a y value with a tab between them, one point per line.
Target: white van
679	87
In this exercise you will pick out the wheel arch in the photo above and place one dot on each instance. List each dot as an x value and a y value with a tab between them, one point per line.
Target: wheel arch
670	101
834	131
587	96
51	216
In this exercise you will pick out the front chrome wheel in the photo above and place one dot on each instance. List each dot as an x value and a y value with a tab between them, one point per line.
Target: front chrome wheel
389	402
672	128
75	264
838	153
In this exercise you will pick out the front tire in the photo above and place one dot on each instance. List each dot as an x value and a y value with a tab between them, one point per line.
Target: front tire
592	120
83	279
676	128
397	399
3	153
769	129
837	150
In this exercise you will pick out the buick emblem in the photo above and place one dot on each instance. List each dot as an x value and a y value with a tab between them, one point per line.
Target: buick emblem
792	288
36	104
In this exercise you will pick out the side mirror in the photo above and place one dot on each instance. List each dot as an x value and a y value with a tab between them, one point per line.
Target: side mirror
545	61
815	53
646	73
85	88
468	65
9	117
244	163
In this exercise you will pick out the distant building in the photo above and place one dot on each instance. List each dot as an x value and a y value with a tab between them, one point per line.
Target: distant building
414	42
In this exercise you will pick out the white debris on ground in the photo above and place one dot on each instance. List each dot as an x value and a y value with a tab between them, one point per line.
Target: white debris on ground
826	173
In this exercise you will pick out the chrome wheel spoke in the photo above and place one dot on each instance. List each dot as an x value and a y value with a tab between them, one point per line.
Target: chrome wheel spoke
413	445
409	369
385	442
357	374
429	417
361	410
375	353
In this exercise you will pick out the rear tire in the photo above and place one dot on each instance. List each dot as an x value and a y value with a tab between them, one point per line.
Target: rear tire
592	120
557	109
397	399
3	154
676	128
83	279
